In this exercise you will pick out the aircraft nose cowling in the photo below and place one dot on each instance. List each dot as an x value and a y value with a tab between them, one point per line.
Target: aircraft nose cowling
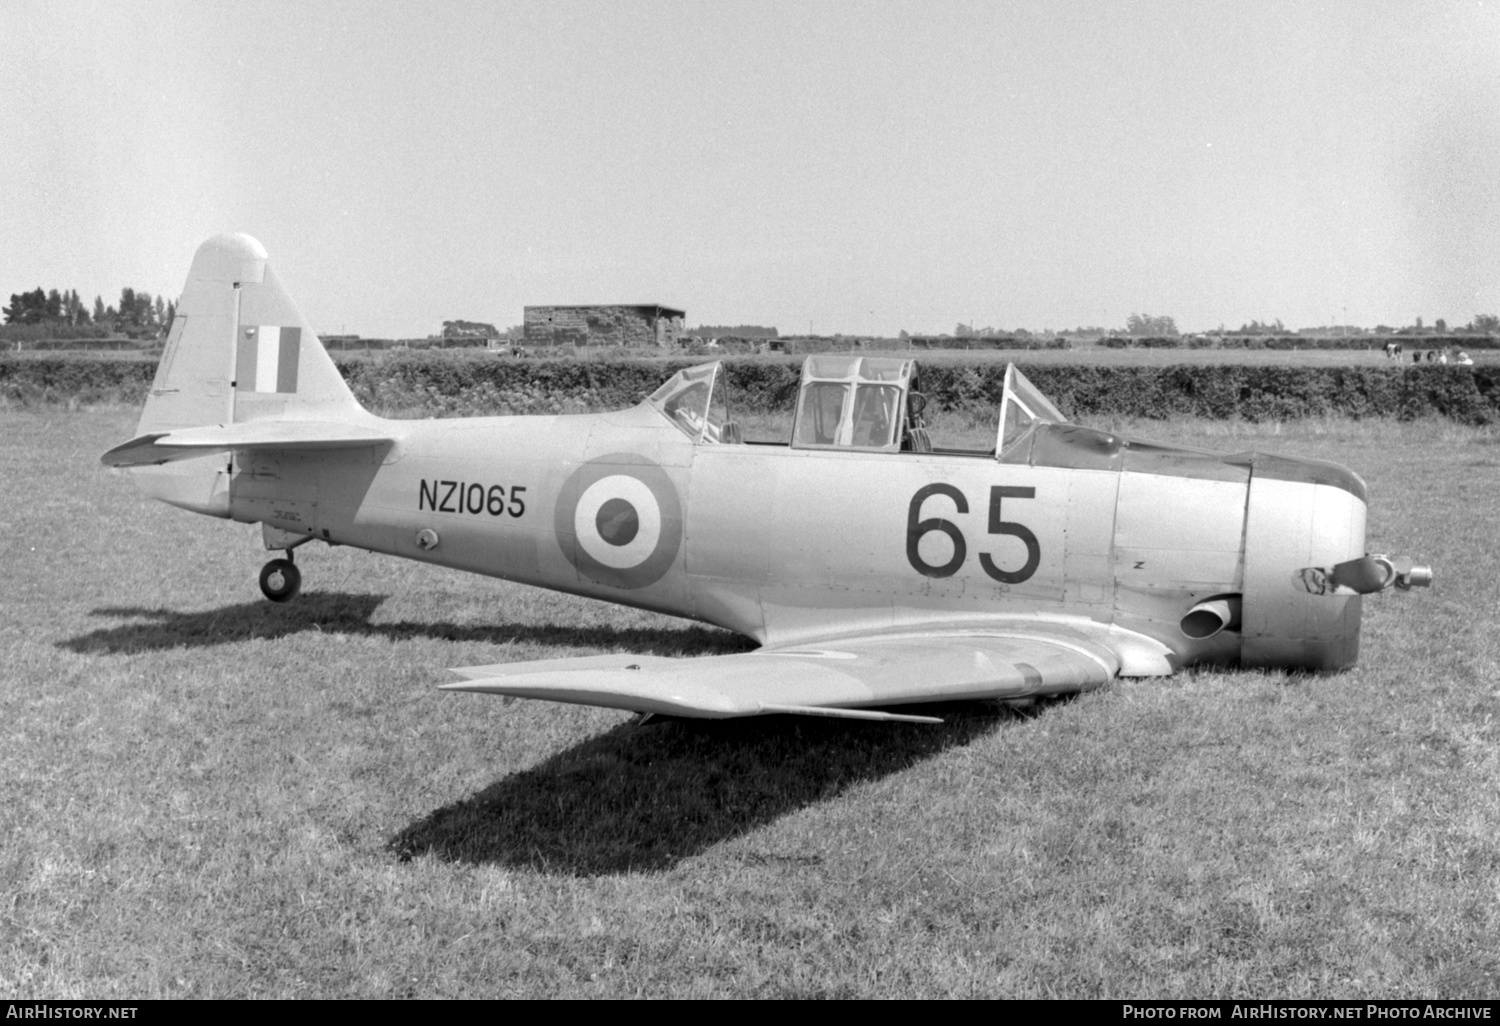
1301	513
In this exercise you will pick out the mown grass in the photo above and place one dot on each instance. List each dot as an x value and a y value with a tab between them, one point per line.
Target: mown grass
202	794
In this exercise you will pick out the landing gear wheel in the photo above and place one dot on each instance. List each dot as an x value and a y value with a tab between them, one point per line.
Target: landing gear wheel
280	579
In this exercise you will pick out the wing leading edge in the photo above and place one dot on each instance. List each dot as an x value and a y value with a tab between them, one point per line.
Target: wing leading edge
850	677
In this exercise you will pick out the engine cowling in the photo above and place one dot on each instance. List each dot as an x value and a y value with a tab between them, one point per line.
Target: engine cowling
1300	513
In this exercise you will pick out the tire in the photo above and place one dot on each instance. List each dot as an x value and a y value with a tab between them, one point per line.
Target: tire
280	580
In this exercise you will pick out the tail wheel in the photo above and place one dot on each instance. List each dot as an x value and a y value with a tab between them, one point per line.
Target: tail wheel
280	579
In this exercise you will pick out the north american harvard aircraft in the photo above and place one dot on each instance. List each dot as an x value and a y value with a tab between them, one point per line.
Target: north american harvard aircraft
875	569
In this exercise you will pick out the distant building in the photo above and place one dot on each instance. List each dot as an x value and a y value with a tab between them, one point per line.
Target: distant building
644	325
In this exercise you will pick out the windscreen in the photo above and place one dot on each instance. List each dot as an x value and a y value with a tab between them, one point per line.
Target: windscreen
1022	408
684	400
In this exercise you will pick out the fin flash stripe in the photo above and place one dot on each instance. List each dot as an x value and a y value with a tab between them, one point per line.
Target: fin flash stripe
267	358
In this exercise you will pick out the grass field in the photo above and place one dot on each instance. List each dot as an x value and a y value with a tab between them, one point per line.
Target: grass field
203	794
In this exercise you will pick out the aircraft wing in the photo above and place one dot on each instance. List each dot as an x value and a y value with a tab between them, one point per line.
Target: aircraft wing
164	447
851	677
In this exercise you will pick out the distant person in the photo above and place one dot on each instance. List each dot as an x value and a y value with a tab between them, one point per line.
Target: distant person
1463	359
1432	356
1416	356
1443	357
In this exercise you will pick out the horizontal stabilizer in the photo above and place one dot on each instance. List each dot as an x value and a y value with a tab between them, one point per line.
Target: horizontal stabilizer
841	677
186	443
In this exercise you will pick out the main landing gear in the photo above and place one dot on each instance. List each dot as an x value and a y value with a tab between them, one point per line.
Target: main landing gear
280	579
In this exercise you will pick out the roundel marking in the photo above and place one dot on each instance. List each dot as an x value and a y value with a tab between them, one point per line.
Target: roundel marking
619	521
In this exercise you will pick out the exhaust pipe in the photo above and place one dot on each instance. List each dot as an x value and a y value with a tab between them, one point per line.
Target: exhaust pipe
1211	616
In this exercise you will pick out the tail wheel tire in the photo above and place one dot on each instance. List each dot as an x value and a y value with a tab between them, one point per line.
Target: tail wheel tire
280	579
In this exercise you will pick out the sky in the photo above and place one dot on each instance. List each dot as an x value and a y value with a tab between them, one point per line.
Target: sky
818	165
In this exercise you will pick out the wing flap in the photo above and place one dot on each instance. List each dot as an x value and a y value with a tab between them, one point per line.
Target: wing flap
187	443
849	674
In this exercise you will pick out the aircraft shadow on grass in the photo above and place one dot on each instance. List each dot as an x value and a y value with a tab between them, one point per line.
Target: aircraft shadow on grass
638	798
161	628
643	798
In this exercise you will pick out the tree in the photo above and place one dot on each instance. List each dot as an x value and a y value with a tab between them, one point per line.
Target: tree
1440	326
1487	323
98	309
1145	324
27	307
1258	328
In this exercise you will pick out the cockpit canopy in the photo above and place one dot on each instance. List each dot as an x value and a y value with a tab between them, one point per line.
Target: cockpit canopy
854	402
871	404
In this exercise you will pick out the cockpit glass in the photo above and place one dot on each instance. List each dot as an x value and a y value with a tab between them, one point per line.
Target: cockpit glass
1016	427
852	401
685	401
689	404
822	410
875	415
1022	409
718	403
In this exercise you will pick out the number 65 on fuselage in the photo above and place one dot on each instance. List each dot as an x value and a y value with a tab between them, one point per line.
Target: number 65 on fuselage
875	568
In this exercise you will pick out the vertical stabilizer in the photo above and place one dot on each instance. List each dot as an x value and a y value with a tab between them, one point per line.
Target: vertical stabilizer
239	350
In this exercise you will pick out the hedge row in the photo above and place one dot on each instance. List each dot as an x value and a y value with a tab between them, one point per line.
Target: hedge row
1470	395
92	378
1373	343
52	332
414	384
1008	342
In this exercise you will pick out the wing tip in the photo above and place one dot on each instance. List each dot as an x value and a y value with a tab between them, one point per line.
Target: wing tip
129	454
